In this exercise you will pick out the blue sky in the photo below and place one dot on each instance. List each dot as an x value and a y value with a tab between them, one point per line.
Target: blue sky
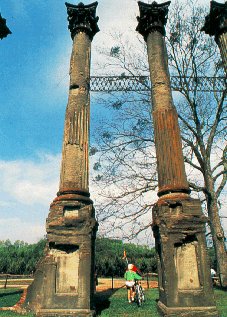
34	64
32	101
34	72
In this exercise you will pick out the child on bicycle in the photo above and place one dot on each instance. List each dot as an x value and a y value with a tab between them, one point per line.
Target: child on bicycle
130	277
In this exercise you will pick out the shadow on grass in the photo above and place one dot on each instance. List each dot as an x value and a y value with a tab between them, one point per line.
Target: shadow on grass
221	288
102	301
11	293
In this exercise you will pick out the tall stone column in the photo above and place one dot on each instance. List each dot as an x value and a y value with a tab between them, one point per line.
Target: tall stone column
185	287
64	279
216	24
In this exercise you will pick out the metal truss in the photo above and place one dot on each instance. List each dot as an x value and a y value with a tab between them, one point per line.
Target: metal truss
142	83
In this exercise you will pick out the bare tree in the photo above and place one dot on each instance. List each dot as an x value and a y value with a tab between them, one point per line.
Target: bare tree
126	171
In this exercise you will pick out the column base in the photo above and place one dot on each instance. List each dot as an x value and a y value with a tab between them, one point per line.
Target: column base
64	279
65	313
187	311
185	286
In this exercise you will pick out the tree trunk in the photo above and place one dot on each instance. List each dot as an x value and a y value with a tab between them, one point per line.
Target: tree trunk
216	230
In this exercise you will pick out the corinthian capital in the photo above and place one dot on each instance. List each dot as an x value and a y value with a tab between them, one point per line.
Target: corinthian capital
152	18
82	18
216	21
4	30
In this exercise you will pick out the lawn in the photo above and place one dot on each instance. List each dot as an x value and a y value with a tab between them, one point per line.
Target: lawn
117	305
114	303
9	296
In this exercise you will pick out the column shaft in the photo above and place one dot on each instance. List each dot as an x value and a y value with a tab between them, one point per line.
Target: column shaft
222	43
74	170
170	162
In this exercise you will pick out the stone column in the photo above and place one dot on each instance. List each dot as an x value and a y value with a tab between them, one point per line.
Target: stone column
216	24
185	287
64	279
171	172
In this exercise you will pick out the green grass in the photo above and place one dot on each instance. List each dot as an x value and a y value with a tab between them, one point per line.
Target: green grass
13	314
221	301
114	304
117	305
9	296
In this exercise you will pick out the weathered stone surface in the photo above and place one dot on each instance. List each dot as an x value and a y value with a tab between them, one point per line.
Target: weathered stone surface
178	223
216	24
171	171
183	266
82	18
215	21
64	280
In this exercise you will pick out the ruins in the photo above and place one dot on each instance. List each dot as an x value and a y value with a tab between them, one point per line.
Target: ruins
216	24
64	280
178	222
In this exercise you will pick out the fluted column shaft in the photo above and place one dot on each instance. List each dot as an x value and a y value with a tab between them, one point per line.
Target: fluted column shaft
75	165
74	170
222	43
216	24
171	171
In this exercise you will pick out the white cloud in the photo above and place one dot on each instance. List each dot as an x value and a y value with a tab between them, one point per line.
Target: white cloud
19	229
29	182
27	189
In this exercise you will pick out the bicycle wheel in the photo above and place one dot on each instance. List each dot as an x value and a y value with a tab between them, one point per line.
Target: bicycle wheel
138	296
142	294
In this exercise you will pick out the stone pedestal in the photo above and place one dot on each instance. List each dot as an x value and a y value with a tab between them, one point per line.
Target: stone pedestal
64	280
185	286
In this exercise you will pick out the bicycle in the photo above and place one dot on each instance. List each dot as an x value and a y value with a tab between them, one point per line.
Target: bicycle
139	298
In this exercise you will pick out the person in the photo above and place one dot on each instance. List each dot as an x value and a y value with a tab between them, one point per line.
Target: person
212	272
213	276
130	277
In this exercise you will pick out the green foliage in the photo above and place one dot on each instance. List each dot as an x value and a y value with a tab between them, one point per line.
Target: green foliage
20	257
213	261
109	257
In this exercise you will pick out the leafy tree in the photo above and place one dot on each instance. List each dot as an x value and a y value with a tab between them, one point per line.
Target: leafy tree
110	262
20	257
127	169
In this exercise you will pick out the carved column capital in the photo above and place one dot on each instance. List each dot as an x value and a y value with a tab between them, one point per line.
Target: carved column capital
216	20
4	30
82	18
152	18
